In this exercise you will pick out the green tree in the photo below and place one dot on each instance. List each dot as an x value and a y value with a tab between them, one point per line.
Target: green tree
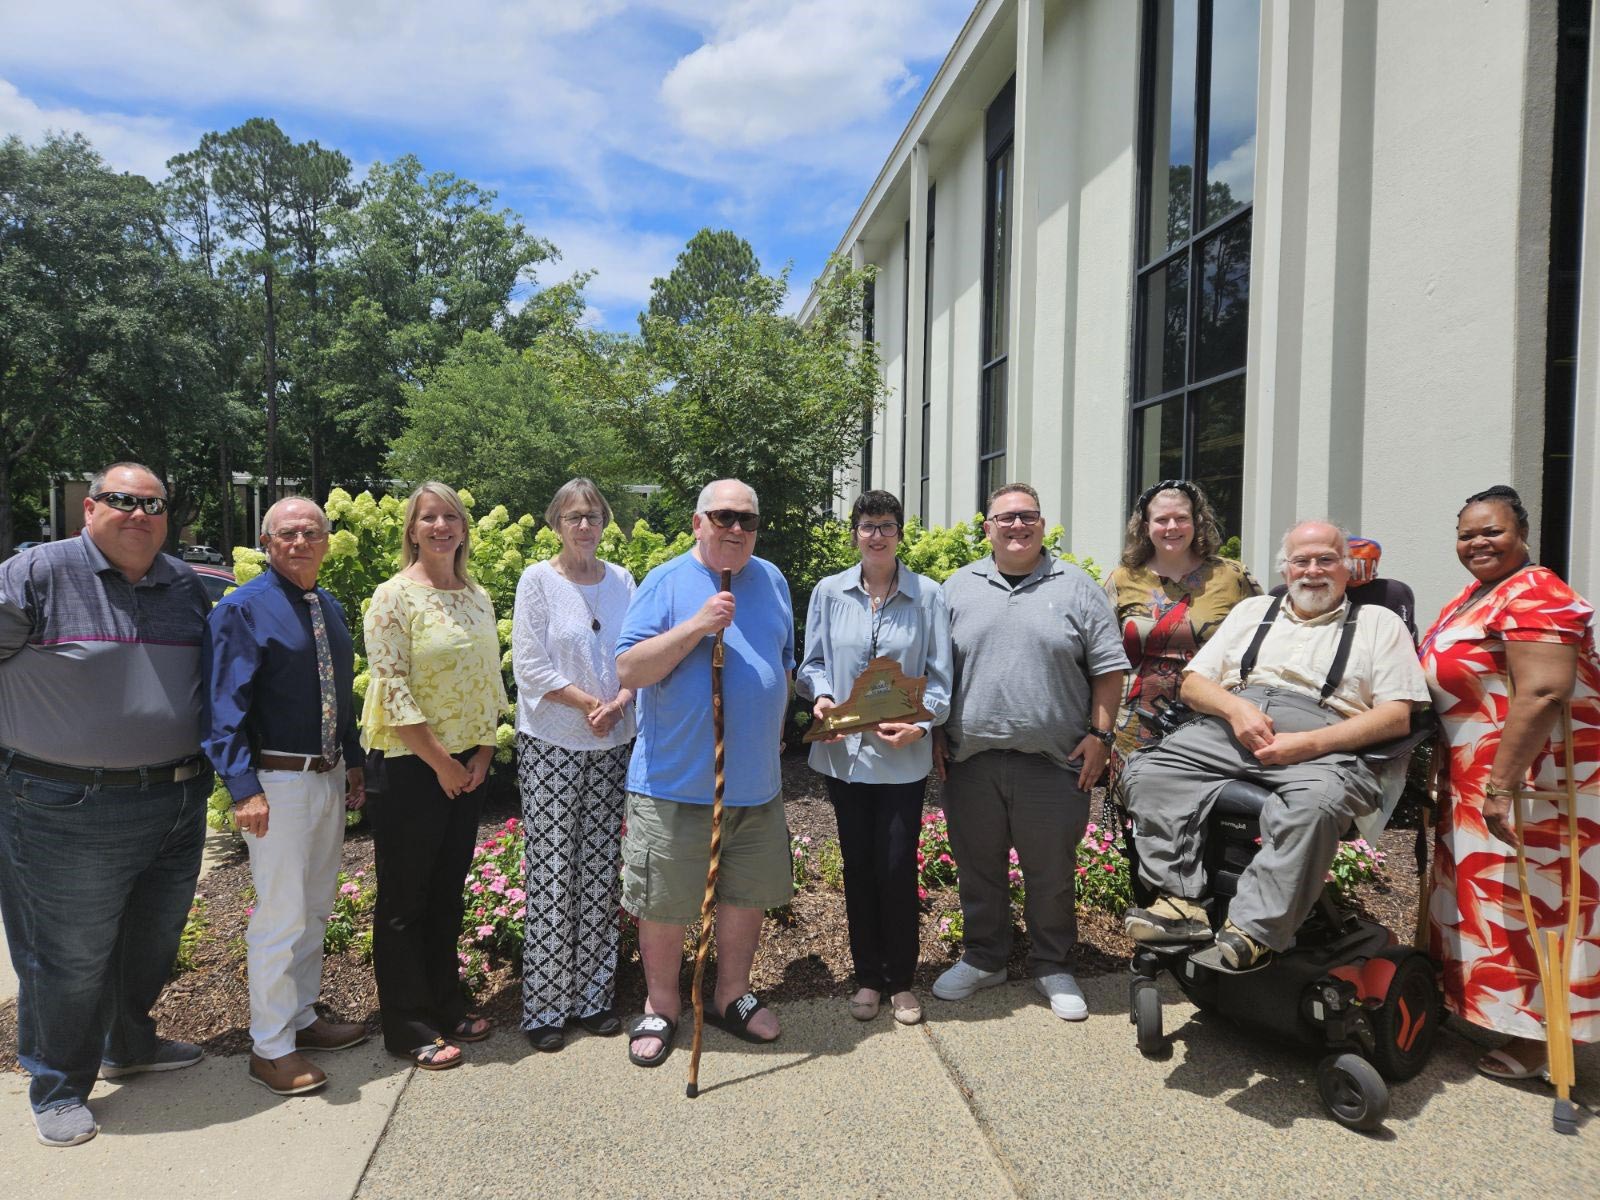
489	416
745	391
716	262
98	317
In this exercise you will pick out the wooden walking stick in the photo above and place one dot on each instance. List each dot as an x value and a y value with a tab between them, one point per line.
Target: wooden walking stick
1552	951
715	862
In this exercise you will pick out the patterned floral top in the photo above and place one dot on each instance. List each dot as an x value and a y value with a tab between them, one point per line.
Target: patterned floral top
433	656
1164	622
1476	926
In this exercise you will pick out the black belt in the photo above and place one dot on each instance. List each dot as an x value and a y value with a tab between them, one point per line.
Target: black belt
176	772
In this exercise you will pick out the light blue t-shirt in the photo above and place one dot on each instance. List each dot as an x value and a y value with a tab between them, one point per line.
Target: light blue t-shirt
673	757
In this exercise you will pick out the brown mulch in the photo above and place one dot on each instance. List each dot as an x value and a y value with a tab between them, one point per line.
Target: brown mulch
804	951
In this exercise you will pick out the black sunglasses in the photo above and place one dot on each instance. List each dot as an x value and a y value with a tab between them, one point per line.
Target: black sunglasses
727	518
126	502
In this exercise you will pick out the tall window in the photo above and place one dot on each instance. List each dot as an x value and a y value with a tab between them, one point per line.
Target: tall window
998	124
869	303
1192	294
927	358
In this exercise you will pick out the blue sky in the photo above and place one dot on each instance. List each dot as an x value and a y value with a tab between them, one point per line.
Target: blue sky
617	128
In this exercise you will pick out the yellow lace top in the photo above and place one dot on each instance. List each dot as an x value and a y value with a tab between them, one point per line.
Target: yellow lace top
433	656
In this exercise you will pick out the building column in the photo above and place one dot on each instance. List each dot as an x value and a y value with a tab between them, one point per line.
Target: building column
916	347
1027	131
1584	574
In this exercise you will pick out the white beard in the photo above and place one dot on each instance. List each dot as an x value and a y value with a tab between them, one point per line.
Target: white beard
1313	602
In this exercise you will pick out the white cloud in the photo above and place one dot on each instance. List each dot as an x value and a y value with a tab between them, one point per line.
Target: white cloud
774	71
127	143
624	261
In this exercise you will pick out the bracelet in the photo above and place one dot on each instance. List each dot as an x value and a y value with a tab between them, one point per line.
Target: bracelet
1490	791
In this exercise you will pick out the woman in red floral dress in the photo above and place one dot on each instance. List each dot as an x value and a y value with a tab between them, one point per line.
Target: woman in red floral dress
1515	620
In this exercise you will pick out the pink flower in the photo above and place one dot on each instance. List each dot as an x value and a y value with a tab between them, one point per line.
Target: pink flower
1083	870
1111	868
499	885
922	893
519	914
502	911
476	889
485	931
515	895
250	910
945	858
361	874
511	824
1091	827
350	889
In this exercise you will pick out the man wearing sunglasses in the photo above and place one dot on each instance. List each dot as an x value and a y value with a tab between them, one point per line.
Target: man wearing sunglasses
1038	677
664	653
281	730
103	797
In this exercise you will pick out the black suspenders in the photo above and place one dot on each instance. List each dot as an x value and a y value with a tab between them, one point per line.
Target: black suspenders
1341	656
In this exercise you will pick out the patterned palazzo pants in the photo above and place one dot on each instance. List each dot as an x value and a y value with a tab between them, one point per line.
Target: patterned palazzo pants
572	813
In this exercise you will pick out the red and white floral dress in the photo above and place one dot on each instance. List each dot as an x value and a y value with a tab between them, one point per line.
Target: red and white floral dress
1476	925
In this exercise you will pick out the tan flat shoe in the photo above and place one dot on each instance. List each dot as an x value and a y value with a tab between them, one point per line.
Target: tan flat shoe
864	1004
907	1010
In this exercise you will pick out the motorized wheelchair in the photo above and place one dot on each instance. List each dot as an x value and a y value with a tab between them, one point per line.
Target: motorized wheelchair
1345	988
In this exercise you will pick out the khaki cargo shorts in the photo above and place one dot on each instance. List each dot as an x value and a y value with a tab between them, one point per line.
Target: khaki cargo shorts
667	845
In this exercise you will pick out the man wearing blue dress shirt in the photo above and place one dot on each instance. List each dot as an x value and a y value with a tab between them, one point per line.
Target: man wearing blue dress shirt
279	721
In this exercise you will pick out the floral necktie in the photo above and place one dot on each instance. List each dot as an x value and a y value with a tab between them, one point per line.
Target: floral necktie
330	697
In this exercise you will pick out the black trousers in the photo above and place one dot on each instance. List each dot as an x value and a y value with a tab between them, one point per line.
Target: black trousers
423	841
878	828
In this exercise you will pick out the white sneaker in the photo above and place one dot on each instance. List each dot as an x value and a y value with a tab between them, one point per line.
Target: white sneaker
963	979
1066	999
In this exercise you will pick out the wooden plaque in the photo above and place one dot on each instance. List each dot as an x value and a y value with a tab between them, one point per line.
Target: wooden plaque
882	692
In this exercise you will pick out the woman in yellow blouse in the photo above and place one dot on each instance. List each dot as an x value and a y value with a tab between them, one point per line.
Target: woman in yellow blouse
433	703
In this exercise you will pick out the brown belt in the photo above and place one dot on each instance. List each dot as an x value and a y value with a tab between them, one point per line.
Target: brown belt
296	762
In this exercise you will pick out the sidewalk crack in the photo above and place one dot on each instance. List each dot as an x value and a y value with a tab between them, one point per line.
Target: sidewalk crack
991	1143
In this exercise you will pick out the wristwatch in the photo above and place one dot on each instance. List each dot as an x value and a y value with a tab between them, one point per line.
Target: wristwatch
1104	735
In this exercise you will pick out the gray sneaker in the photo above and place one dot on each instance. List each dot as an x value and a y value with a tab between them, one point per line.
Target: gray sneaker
69	1124
168	1056
1066	999
963	979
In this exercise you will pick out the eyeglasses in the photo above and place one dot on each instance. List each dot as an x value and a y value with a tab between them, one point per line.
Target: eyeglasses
311	537
1027	518
879	529
573	520
1326	561
727	518
126	502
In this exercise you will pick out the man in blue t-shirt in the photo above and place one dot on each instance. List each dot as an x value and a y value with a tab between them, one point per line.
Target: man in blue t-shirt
664	654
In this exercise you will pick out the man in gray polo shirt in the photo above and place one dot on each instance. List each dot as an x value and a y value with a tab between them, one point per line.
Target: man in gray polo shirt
102	793
1038	675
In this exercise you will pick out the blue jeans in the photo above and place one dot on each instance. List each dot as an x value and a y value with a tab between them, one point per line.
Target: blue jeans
95	886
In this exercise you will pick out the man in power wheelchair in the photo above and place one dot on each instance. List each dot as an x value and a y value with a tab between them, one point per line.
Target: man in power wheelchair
1289	691
1306	711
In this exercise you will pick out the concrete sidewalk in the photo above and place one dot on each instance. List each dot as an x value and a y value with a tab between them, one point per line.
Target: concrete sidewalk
993	1097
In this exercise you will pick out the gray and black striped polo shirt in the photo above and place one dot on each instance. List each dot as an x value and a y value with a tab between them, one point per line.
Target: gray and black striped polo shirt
96	671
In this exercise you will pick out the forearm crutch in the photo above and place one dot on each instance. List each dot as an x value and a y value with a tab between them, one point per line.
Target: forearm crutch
1552	950
715	862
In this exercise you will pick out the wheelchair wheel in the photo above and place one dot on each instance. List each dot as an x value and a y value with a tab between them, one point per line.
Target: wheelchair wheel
1146	1017
1405	1027
1353	1091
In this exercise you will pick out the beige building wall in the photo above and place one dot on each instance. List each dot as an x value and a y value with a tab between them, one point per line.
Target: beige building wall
1398	280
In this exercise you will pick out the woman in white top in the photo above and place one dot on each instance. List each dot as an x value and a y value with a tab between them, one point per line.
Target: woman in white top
575	725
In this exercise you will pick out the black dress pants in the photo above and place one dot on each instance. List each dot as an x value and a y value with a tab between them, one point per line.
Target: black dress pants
879	824
423	842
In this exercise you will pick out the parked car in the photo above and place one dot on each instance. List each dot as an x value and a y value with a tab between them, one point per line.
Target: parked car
21	546
215	579
202	554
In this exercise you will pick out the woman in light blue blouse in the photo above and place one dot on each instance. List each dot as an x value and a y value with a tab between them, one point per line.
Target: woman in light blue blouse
876	779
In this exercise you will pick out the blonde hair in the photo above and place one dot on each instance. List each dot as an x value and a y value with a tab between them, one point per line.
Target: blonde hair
408	545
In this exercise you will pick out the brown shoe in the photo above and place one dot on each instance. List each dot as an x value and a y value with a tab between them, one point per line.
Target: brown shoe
290	1075
323	1034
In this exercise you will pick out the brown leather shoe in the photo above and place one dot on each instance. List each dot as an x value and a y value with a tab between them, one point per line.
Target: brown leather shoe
290	1075
323	1034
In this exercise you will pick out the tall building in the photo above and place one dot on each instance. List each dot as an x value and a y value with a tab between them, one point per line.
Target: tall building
1324	257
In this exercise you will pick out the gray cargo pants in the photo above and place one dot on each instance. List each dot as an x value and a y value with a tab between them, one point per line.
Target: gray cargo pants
1171	788
993	801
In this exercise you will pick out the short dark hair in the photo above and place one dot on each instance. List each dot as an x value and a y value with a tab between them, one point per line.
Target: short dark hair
877	503
1500	493
98	483
1003	489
